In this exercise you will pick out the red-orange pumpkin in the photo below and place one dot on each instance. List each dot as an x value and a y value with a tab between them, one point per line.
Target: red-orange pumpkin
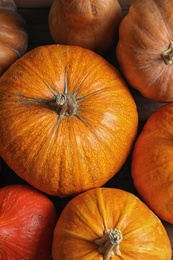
145	48
89	24
27	221
107	223
13	34
67	119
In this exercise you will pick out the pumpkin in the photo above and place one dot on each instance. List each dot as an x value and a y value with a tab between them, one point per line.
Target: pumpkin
67	119
152	163
13	34
89	24
145	49
27	221
108	223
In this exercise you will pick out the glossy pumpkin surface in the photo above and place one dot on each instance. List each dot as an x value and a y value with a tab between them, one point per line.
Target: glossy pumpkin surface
108	223
67	119
152	163
145	48
13	34
27	221
89	24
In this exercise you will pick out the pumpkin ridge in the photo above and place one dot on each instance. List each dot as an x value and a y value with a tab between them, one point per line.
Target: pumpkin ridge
11	48
27	66
82	120
30	101
94	93
162	16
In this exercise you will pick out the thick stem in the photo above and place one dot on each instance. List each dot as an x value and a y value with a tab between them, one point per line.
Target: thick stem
109	243
167	55
64	105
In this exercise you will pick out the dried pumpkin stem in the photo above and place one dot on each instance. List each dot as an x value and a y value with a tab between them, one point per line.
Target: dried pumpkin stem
64	105
109	243
167	55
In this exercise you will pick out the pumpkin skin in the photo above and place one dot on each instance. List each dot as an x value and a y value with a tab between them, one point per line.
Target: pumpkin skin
152	163
27	222
69	147
84	226
89	24
13	34
145	49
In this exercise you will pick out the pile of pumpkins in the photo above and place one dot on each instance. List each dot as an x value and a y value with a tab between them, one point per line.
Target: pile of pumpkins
68	122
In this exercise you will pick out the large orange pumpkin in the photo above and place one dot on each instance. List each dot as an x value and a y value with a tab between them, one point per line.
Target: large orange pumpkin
13	34
89	24
145	48
67	119
152	163
108	223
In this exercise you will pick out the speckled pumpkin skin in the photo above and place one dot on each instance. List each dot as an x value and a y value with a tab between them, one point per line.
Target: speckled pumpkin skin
152	163
69	149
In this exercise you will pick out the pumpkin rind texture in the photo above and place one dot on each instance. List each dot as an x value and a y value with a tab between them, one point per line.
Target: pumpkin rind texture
152	163
13	34
89	24
67	119
145	48
87	217
27	221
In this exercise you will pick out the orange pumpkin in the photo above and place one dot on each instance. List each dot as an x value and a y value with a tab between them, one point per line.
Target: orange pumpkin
13	34
67	120
145	48
108	223
89	24
152	163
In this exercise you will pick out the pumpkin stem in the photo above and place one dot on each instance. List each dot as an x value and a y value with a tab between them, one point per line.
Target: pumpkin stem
64	105
109	243
167	55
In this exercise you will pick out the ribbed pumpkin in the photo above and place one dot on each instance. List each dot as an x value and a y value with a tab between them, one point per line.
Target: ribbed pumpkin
108	223
145	48
67	119
89	24
13	34
152	163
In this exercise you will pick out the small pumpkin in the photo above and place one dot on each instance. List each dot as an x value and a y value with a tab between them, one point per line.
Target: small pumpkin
27	221
89	24
152	163
13	34
67	119
109	223
145	48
